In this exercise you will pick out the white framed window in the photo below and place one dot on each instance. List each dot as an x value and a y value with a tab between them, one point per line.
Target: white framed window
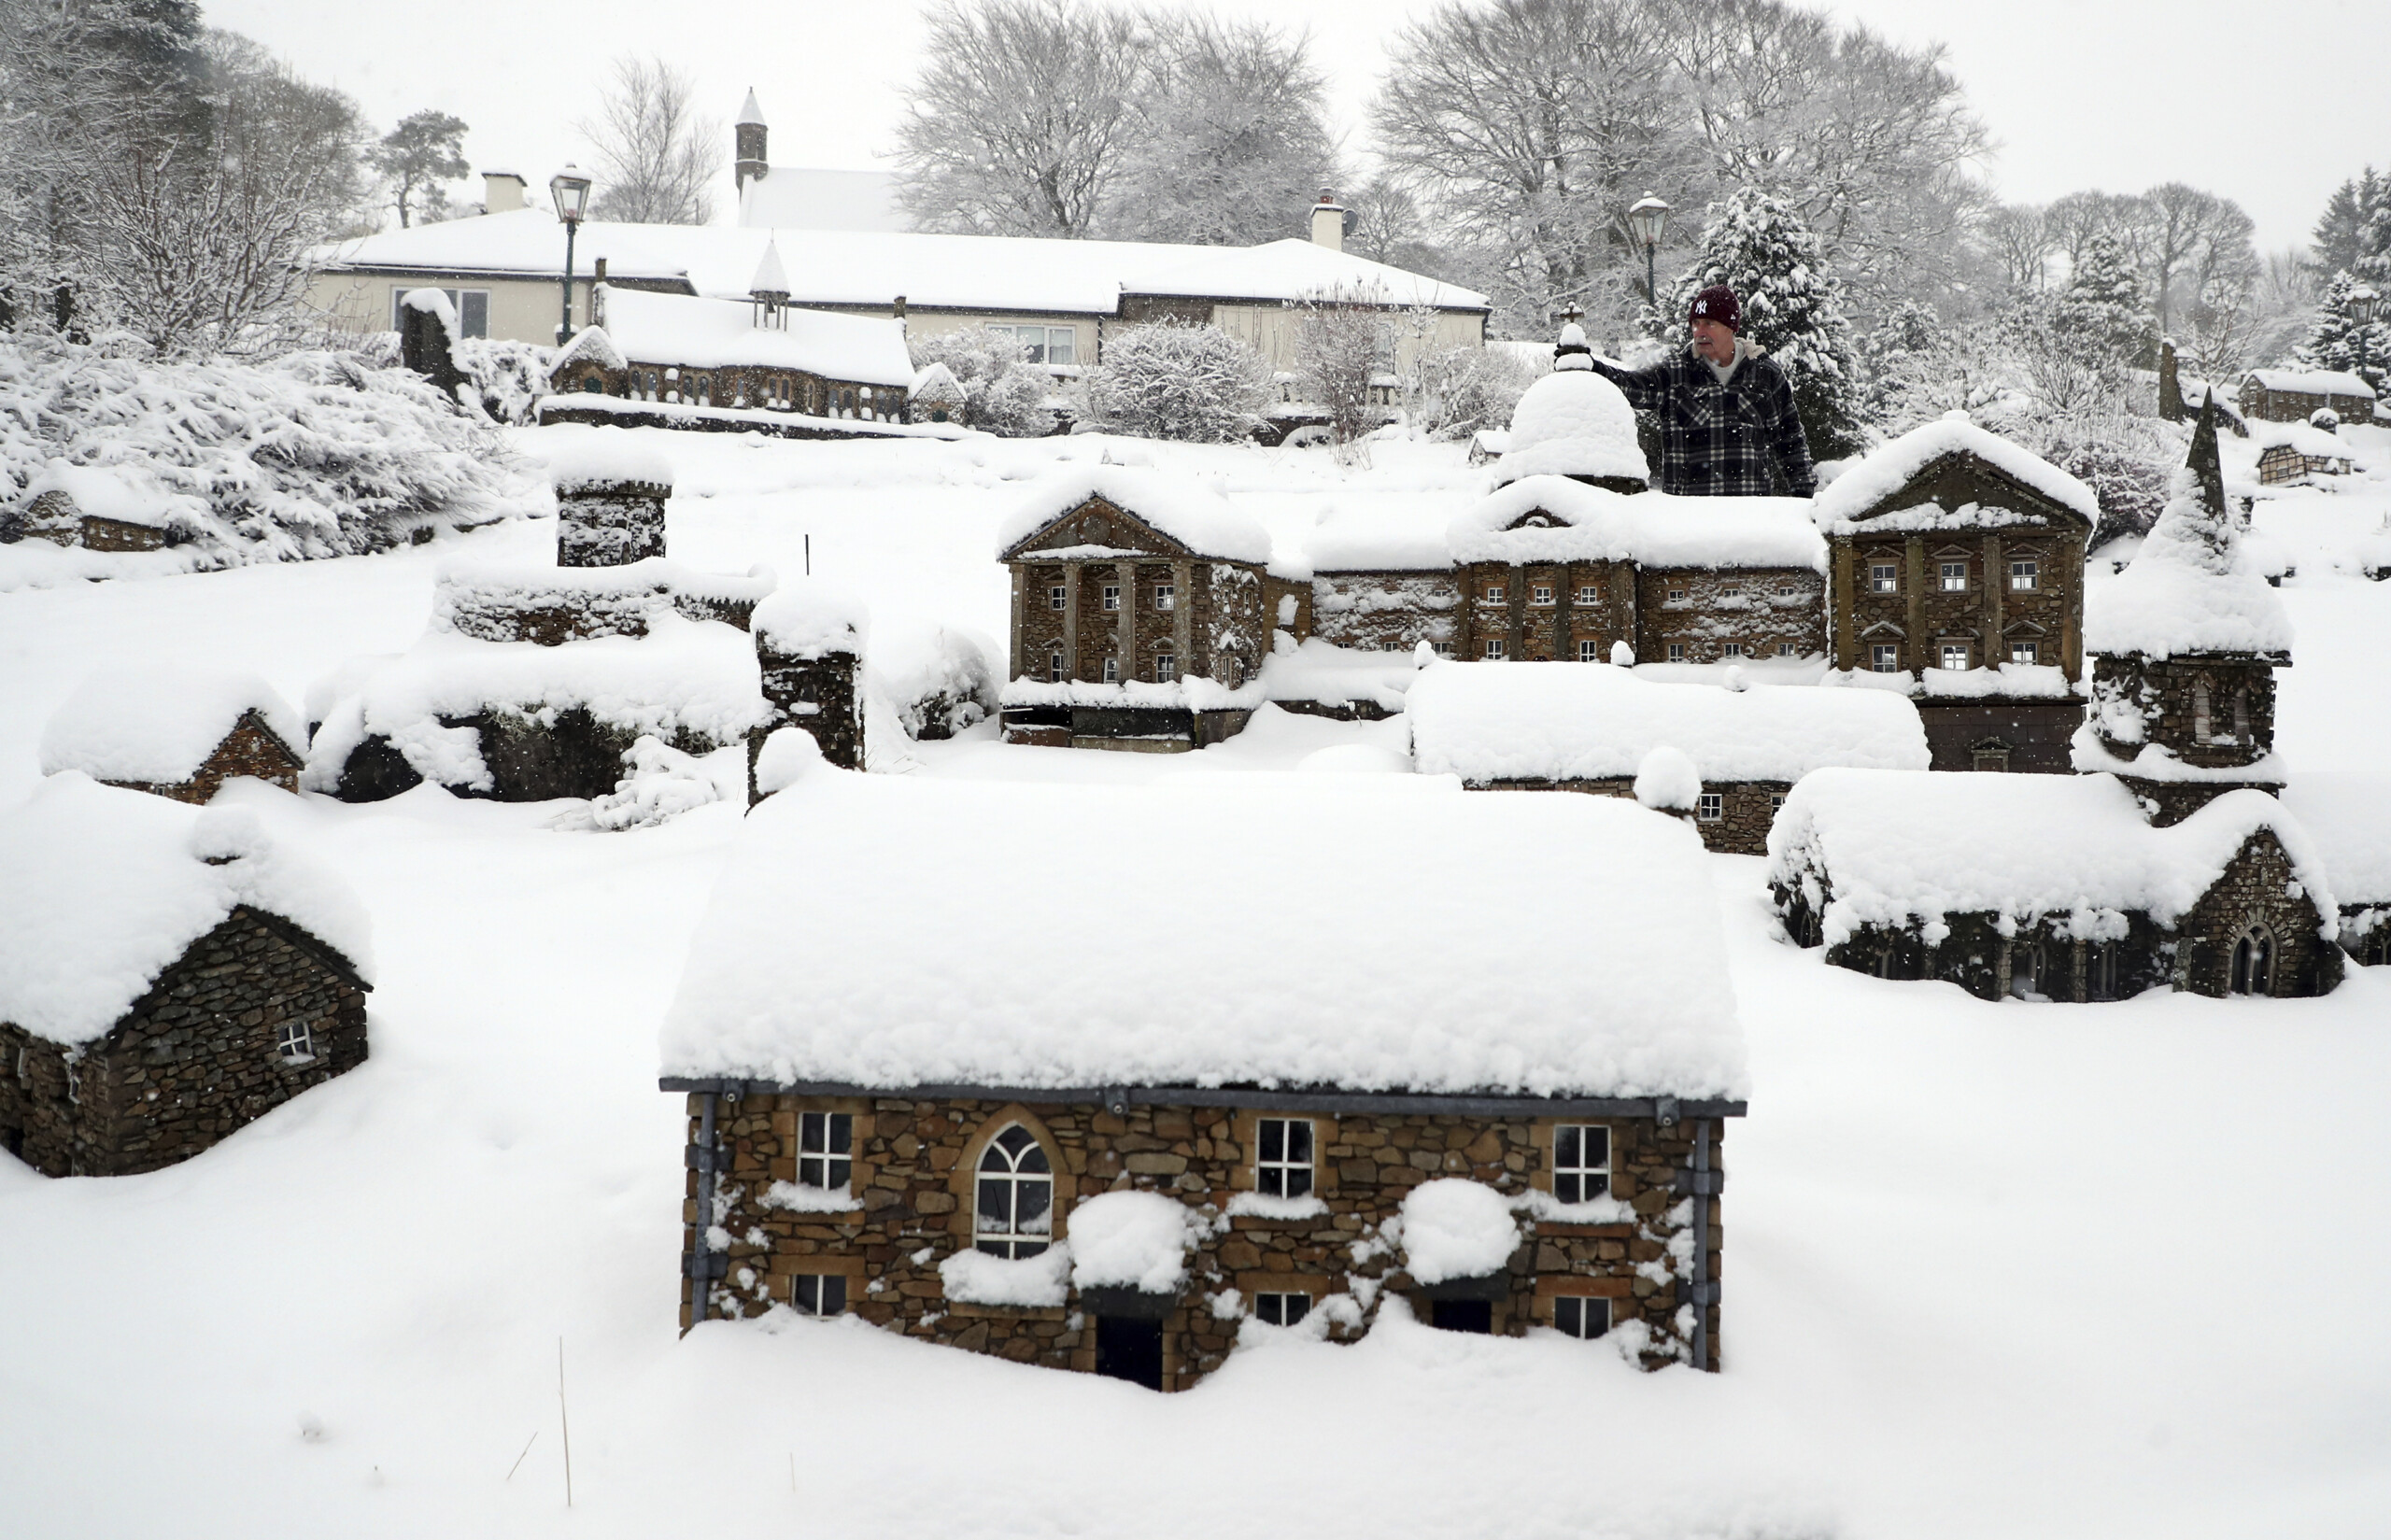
1282	1157
1676	651
1732	649
1955	577
1540	595
1885	658
1054	674
1710	806
1012	1211
1589	651
1784	649
296	1042
1787	590
2025	652
1577	1316
1057	598
1166	595
818	1294
1955	655
1444	649
1676	596
825	1147
1045	343
1112	671
1496	650
1280	1310
1588	594
1580	1162
2025	575
1494	592
1111	595
1165	668
1884	577
471	304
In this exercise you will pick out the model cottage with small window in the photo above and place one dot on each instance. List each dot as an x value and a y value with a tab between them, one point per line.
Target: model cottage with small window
167	975
176	732
2294	395
1119	1126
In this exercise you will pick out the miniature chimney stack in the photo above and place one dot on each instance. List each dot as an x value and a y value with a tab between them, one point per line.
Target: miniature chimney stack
1328	220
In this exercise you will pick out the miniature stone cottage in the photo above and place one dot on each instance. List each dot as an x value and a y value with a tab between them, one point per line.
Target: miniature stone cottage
1591	729
1957	574
167	975
1209	1121
1141	612
177	732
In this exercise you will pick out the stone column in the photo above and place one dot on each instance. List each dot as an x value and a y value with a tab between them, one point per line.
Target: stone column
609	522
1915	619
1183	612
1996	576
1564	614
1020	622
1124	629
1840	603
1072	572
1514	597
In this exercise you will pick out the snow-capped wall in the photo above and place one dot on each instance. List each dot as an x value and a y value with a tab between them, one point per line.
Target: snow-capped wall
1653	529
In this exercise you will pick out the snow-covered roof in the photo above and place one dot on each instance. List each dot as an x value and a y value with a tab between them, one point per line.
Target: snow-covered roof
1885	470
2350	818
936	386
770	278
1897	846
750	111
589	345
871	267
106	888
583	460
1591	721
2191	589
1402	536
992	959
159	722
1196	516
1653	528
701	333
795	197
2299	436
1573	423
2312	382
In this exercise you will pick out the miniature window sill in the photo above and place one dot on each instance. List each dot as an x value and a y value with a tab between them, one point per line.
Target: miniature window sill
811	1200
1261	1206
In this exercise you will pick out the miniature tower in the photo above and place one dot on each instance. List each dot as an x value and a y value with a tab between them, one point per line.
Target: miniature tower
769	290
748	140
2185	645
809	649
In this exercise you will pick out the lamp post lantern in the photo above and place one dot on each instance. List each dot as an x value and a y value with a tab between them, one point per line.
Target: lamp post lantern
1648	219
2362	303
571	190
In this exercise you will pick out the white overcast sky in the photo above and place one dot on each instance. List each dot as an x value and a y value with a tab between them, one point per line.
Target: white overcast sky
2269	102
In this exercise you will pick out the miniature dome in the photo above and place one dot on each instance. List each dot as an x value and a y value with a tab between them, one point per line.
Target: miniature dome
1575	423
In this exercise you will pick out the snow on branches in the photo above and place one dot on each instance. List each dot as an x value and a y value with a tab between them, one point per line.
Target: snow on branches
1171	381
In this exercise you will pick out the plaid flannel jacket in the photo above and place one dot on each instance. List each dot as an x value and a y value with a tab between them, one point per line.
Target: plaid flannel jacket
1731	440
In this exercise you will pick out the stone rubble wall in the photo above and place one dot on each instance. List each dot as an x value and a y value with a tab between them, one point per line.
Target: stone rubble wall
1388	612
1745	808
610	524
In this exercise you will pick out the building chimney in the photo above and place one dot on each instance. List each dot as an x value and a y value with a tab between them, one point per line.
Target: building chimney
1328	220
748	137
901	307
502	192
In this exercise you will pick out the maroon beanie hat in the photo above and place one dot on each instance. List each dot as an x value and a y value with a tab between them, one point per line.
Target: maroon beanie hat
1717	303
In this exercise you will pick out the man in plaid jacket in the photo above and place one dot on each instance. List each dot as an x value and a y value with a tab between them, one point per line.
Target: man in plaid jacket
1728	428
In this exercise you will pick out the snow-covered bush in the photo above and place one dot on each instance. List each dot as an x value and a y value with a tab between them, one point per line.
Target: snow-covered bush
1167	380
936	681
509	377
659	782
1466	388
1001	393
311	455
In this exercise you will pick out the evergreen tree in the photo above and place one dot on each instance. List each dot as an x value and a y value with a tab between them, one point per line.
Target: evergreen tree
426	149
2336	340
1758	245
2102	310
2336	243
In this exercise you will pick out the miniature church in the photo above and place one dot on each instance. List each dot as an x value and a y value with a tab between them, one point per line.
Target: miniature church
175	732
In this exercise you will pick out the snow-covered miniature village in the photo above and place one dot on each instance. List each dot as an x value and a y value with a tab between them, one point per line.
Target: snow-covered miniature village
1241	861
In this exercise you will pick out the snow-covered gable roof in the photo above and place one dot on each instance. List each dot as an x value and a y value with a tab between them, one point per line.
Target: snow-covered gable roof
1894	847
2350	818
1196	517
793	197
936	386
894	931
1572	422
2312	382
1867	491
1278	270
1592	722
159	723
700	333
2299	436
1653	528
590	345
2191	589
106	888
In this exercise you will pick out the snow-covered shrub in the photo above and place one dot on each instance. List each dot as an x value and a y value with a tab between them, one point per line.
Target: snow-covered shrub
310	455
508	377
1002	395
937	681
1467	389
660	783
1167	380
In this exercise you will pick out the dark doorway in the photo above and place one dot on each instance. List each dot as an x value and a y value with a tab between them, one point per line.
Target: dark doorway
1131	1350
1461	1315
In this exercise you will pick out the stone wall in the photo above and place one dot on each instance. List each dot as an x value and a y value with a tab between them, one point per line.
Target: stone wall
737	387
2258	888
1919	616
1745	808
2025	737
2215	712
1538	612
1384	611
197	1057
1767	612
911	1201
250	749
819	694
2262	404
610	523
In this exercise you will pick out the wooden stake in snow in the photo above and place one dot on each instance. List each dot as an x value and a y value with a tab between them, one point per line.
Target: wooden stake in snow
564	1424
518	1459
809	556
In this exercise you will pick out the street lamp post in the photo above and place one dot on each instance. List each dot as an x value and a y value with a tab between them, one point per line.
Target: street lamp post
2362	303
571	190
1648	219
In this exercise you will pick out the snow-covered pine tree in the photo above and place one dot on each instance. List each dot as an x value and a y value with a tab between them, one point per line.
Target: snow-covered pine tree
2102	306
1758	245
2337	340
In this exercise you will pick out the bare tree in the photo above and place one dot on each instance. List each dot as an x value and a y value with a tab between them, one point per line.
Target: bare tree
2198	241
2075	218
1344	341
1386	218
2021	241
658	161
1022	119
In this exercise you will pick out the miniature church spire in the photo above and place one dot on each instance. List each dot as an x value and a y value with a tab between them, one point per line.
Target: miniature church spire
2196	525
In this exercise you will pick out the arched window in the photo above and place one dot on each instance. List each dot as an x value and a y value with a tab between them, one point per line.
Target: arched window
2025	971
2253	962
2242	715
2199	709
1013	1209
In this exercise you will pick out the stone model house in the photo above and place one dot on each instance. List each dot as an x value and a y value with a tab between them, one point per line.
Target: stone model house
2293	454
1957	575
1592	729
175	732
1208	1126
2052	887
167	976
2294	395
1141	614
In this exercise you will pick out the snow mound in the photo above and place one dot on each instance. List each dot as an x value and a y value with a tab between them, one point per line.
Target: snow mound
1611	984
1353	759
1132	1241
107	887
596	459
788	756
811	617
1588	722
660	784
2350	816
1887	470
1314	669
1456	1228
1666	781
1573	423
936	678
1200	519
975	1277
128	494
1654	529
158	722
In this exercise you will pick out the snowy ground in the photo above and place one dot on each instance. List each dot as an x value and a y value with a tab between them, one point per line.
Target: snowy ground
1992	1270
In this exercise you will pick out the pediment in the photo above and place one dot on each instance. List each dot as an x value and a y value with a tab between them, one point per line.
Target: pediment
1883	627
1535	518
1962	476
1097	521
2024	628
